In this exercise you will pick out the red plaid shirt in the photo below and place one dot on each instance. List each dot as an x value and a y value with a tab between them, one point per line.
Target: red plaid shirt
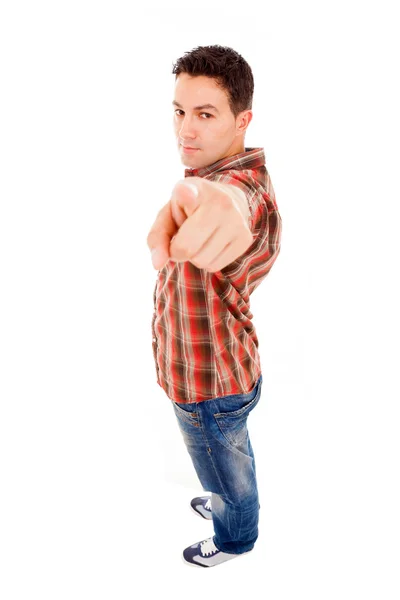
204	342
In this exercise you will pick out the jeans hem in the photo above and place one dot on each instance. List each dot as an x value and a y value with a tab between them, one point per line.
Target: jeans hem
227	551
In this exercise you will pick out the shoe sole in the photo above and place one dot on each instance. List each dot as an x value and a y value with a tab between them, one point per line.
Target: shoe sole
192	564
205	567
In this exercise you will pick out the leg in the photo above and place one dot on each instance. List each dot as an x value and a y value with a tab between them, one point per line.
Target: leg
216	436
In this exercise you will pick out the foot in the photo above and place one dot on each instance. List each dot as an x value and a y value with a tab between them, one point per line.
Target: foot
206	554
201	505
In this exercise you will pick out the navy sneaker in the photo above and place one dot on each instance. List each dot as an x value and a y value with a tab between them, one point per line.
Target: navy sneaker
206	554
201	505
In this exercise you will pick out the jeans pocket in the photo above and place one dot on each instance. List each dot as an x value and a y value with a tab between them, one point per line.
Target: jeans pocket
233	423
186	416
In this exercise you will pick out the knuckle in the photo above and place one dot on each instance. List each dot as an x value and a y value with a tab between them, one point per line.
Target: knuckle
177	247
225	201
179	250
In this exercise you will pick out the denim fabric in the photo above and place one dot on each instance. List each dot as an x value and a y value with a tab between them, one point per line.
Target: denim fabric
217	439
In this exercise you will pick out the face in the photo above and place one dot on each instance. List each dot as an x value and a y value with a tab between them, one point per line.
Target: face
212	131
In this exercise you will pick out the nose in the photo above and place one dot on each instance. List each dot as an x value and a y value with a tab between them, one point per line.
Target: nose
186	132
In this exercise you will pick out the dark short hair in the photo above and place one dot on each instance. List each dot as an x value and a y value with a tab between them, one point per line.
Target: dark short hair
230	70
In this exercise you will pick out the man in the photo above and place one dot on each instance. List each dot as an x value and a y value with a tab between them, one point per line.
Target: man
213	243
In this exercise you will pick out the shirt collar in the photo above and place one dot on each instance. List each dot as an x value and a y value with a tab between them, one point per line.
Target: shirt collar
251	158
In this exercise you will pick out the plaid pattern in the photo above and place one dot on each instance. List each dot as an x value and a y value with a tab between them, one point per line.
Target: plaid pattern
204	342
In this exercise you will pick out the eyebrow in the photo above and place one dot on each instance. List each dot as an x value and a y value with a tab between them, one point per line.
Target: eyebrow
174	102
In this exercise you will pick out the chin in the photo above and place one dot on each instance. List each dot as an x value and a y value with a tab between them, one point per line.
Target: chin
187	162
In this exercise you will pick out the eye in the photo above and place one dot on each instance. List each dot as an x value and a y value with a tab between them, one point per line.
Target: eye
204	113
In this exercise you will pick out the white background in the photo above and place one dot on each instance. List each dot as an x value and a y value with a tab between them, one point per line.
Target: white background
95	478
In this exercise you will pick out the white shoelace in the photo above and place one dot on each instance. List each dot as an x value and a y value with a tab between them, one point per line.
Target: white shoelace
208	547
208	504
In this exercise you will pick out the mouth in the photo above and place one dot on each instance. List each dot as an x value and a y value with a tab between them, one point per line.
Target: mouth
188	149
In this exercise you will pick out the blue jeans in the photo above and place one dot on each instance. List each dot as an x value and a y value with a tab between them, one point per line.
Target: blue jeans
217	439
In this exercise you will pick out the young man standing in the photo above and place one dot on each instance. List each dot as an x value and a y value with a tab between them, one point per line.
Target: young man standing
213	243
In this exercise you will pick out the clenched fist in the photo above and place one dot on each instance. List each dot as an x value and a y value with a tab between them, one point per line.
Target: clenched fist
204	222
